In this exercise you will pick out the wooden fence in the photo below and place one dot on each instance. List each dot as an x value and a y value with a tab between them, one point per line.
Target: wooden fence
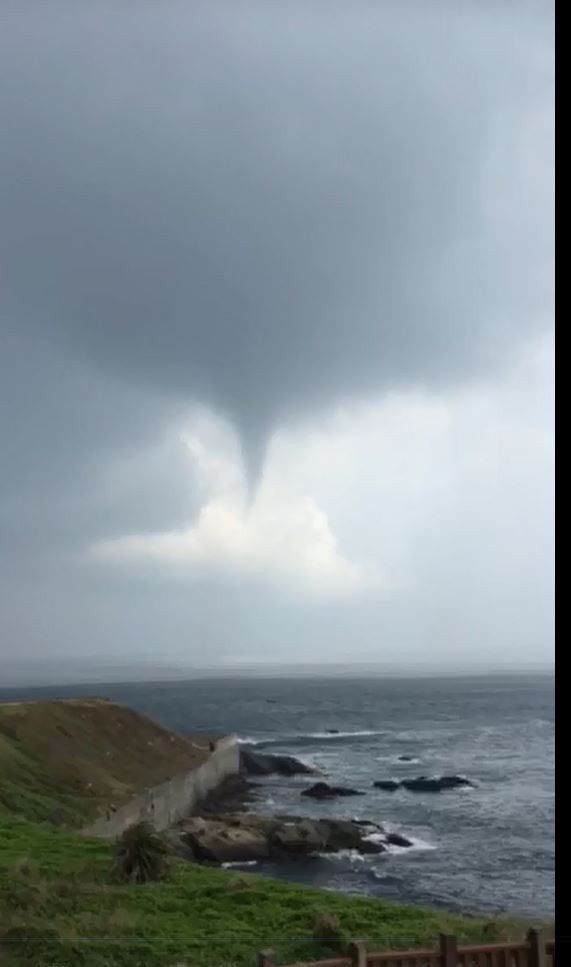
533	952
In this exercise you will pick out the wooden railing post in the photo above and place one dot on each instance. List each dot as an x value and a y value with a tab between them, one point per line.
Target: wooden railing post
358	955
266	958
537	956
448	951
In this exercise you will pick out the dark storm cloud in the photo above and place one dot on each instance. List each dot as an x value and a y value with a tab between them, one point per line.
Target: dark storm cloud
269	206
81	455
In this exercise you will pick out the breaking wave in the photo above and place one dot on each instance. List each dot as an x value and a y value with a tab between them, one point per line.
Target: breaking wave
302	738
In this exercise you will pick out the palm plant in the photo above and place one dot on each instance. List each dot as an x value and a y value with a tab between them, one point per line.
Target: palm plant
141	854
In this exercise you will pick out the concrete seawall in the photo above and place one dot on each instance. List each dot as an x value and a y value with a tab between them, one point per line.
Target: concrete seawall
174	799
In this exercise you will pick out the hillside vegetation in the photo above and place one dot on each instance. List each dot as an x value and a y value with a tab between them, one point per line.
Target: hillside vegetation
61	902
62	761
57	891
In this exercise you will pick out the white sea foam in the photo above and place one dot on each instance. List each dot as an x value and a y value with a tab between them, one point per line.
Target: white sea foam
417	844
292	737
352	855
395	759
229	866
340	735
415	841
375	837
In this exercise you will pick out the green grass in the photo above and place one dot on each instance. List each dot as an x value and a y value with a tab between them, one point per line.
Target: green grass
63	761
60	905
56	888
27	789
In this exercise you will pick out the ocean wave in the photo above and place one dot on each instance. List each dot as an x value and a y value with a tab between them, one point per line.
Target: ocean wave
416	845
415	841
375	837
361	733
352	855
229	866
396	759
299	738
434	736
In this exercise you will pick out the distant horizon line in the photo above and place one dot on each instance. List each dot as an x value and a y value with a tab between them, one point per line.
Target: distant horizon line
140	673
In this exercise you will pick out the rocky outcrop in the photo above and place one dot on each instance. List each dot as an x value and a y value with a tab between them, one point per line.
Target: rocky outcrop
424	783
263	764
436	784
232	795
405	758
218	841
351	834
299	838
322	790
245	837
395	839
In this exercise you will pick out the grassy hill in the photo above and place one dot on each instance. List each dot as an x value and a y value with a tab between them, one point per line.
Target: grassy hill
62	760
57	891
60	903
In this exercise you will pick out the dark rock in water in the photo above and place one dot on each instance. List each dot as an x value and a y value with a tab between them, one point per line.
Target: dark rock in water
395	839
263	764
322	790
405	758
301	838
424	783
451	782
332	731
245	837
216	841
435	783
232	794
343	834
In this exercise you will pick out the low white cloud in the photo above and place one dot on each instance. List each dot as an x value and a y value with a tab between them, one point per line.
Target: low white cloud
399	499
281	537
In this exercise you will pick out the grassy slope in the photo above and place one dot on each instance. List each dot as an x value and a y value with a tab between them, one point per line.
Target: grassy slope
59	760
57	884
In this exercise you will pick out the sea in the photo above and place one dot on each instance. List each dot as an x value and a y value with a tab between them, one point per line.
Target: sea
487	849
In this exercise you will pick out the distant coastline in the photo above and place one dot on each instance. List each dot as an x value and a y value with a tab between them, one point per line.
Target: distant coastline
65	675
497	731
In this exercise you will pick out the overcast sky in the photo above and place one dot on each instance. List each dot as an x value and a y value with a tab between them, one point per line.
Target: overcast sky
276	301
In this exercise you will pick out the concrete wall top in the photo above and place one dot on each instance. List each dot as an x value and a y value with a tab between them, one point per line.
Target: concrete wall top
173	799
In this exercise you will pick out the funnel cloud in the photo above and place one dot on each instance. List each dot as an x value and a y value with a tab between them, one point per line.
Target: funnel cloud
243	222
265	208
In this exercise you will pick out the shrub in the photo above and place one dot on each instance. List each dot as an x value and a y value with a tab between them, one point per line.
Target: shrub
327	930
141	854
31	943
25	868
239	883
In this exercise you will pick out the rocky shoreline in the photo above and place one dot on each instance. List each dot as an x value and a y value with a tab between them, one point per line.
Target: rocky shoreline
224	830
247	837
